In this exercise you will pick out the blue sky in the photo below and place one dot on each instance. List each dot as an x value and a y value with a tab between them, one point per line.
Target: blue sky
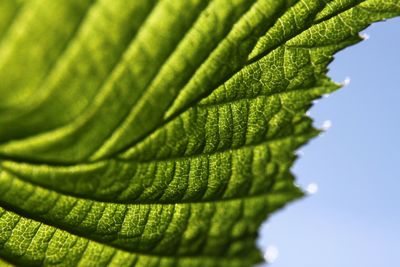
354	218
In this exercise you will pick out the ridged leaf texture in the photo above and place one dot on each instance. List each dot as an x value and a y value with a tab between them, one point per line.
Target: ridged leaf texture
158	133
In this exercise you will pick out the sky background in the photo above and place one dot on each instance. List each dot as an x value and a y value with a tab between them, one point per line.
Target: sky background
354	218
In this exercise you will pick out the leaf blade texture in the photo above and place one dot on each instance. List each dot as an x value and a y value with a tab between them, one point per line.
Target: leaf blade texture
158	133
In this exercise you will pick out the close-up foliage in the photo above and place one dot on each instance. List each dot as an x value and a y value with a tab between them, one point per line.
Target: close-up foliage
158	133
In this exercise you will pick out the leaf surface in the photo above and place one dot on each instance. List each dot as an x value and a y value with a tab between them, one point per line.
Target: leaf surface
158	133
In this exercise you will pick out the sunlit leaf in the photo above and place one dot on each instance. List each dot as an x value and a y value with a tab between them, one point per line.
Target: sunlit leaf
158	133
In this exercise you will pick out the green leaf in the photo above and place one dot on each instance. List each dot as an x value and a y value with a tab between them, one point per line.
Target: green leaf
158	133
